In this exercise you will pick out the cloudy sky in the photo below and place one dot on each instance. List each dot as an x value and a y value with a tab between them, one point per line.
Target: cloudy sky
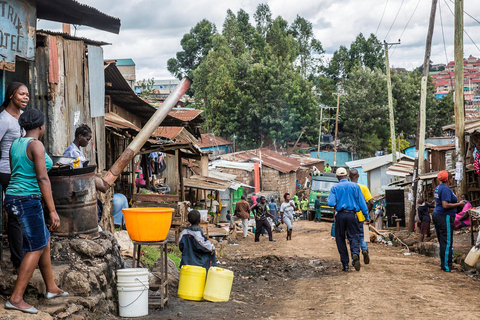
151	29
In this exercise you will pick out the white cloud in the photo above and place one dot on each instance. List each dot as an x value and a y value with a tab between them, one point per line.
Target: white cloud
151	29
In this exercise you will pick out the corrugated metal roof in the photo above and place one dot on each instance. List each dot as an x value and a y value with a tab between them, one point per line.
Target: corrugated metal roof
175	133
203	183
267	158
69	36
73	12
221	175
444	147
124	62
307	161
471	126
208	140
232	165
381	161
186	114
122	94
402	168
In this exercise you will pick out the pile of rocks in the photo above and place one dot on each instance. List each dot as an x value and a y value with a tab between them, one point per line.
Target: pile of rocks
83	267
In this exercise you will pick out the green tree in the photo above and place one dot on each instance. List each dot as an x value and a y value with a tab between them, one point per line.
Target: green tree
439	115
364	52
196	44
364	115
310	49
146	87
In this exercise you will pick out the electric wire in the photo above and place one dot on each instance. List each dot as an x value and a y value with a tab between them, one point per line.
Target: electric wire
396	16
406	25
463	28
443	34
413	13
381	19
468	14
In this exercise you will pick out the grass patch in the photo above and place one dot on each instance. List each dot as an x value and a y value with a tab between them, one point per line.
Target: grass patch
457	254
150	254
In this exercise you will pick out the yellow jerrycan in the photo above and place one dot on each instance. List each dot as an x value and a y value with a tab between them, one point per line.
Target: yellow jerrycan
219	284
192	283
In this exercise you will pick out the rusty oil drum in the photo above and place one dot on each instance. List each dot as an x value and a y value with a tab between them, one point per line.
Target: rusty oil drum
75	199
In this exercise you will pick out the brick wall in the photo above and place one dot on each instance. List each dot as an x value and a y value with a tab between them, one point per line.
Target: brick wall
243	176
273	180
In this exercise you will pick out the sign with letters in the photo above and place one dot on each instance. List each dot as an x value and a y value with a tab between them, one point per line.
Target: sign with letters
17	32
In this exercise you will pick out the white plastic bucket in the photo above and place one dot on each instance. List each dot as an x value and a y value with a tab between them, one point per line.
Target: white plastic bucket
132	287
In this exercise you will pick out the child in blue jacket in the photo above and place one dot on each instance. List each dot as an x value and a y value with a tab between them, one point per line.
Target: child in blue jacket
196	249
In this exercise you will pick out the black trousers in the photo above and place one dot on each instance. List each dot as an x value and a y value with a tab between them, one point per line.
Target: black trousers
258	229
347	223
444	229
15	237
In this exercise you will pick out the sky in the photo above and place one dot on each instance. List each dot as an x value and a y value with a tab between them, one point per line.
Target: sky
152	29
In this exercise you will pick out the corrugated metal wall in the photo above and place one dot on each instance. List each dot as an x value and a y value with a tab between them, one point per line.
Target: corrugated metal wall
59	87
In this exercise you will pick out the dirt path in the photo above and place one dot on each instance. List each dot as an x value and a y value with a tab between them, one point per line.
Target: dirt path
302	279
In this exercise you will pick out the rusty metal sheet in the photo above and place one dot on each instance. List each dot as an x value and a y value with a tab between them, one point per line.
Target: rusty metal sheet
17	32
53	75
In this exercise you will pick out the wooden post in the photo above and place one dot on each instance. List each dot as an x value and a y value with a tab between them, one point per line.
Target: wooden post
145	165
390	106
66	28
134	174
336	130
320	131
459	107
420	138
181	190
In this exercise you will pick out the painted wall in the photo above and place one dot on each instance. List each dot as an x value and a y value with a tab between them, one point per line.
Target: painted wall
218	149
378	180
342	157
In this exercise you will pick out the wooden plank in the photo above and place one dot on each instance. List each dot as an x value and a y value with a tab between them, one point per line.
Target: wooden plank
58	111
135	119
156	197
100	143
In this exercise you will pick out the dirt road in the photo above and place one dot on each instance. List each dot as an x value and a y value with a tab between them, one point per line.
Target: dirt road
302	279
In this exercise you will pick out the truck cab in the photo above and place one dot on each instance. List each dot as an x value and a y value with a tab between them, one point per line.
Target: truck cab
321	186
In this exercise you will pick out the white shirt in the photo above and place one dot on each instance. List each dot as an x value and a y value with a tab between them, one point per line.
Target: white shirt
288	208
74	152
9	131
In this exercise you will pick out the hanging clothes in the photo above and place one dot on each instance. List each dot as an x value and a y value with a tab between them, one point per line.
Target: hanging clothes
476	161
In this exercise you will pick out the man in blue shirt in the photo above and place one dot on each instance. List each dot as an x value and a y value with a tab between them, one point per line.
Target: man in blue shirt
347	198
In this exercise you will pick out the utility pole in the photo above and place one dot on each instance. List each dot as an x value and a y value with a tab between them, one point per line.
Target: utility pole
420	138
320	131
390	102
459	107
336	130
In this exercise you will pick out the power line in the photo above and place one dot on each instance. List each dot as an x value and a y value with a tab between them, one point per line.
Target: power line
400	8
443	34
381	19
413	13
468	14
463	28
410	19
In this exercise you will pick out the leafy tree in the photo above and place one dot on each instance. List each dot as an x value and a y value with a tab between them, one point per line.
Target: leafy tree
363	52
310	49
440	114
196	44
146	87
250	86
363	110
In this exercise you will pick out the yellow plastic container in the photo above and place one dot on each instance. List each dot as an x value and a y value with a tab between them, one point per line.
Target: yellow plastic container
148	224
219	284
192	283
